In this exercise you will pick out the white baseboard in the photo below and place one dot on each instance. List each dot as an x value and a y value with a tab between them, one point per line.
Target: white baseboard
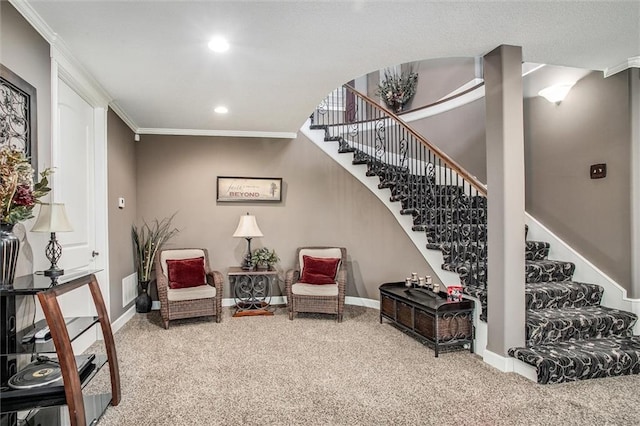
525	370
504	364
361	301
123	319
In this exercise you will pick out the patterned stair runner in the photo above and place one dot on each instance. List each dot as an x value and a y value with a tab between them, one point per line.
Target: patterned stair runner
569	335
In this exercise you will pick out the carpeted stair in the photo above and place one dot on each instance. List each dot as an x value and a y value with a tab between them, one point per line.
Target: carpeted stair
569	335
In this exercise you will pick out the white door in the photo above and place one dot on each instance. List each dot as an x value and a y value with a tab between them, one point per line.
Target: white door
73	184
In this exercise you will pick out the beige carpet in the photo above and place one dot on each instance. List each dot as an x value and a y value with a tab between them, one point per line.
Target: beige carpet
314	371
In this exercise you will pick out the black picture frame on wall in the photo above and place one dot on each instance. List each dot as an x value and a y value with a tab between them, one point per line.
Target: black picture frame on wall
234	189
18	115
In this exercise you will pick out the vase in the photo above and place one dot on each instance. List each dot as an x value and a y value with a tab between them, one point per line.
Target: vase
9	247
143	301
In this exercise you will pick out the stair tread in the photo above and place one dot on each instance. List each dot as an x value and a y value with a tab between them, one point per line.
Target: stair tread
582	359
584	312
556	294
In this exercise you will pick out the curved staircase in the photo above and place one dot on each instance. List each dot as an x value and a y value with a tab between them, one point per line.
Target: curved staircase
569	334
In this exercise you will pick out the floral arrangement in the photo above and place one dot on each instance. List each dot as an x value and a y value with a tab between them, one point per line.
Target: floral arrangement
263	257
396	90
148	239
18	192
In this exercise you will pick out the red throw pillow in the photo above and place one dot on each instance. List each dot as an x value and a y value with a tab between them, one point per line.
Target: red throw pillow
319	270
185	273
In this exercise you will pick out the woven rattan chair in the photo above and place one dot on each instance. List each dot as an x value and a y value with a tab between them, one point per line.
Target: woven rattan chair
199	301
328	298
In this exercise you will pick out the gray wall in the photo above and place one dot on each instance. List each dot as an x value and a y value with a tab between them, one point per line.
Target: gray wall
460	133
439	77
122	183
322	205
26	53
590	126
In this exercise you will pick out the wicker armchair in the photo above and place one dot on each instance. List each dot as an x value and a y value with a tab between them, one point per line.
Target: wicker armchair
328	298
198	301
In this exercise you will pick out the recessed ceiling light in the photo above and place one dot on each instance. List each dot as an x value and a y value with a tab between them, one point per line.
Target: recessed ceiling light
219	44
221	109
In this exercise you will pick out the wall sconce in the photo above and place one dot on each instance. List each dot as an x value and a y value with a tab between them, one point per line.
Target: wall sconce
556	93
248	229
52	218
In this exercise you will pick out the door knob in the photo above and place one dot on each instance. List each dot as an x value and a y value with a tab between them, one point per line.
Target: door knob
95	253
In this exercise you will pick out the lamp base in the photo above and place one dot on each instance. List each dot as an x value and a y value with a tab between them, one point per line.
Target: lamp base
53	272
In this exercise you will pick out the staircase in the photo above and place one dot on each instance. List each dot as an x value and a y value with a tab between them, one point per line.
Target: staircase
569	334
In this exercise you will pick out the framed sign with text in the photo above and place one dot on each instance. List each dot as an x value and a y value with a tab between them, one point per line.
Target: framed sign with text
249	189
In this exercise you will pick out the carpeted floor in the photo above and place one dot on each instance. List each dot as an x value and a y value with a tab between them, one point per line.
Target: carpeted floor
314	371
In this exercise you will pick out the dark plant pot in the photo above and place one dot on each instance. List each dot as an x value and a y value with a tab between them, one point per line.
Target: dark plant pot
143	301
9	247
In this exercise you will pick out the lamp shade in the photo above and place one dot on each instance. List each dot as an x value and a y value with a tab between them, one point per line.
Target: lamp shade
556	94
247	227
52	218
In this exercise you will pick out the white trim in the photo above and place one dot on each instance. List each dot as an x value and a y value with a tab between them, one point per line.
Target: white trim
633	62
419	239
36	21
504	364
123	319
101	201
465	99
124	116
634	110
525	370
231	133
77	77
615	296
361	301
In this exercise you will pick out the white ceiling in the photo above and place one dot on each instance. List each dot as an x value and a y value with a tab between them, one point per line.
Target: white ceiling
152	59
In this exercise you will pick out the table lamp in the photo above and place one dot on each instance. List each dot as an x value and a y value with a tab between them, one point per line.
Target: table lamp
52	218
248	229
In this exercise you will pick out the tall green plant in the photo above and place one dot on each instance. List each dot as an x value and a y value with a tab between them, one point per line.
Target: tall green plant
148	239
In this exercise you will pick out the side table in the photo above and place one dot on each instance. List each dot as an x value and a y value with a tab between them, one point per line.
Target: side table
251	290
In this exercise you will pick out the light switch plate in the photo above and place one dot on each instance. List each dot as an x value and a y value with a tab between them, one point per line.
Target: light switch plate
598	171
121	203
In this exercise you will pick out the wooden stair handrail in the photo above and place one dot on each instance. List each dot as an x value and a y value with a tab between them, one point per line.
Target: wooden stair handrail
452	164
64	350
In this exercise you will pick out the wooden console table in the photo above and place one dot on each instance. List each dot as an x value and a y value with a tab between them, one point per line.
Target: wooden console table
427	316
251	290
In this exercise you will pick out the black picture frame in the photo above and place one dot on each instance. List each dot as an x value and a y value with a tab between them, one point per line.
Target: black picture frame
248	189
18	115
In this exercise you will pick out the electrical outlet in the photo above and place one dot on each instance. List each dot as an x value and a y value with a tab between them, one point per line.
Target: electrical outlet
598	171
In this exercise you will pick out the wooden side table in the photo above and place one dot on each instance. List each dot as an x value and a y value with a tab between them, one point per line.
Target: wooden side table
251	290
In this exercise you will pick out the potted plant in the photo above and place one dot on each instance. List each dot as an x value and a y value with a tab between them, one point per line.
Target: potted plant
263	258
396	90
147	241
20	191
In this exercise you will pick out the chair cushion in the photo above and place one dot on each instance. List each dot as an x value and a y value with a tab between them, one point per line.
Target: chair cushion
191	293
184	273
303	289
319	270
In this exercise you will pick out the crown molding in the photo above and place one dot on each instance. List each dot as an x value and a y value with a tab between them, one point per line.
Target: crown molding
633	62
230	133
71	70
35	20
124	116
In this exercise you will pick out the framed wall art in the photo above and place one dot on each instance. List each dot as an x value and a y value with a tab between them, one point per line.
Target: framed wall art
18	112
249	189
